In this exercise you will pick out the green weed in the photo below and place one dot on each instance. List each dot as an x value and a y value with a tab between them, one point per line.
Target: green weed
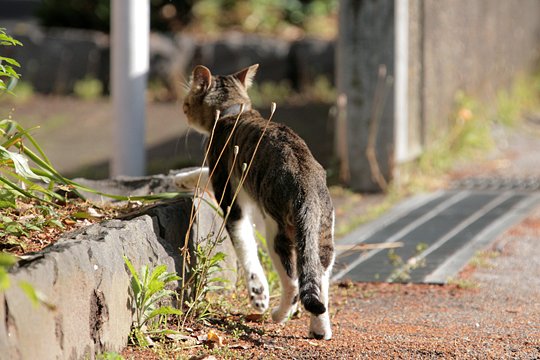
266	262
88	88
23	92
469	134
148	290
482	259
523	96
203	279
6	261
8	66
462	283
373	212
322	90
262	94
109	356
402	269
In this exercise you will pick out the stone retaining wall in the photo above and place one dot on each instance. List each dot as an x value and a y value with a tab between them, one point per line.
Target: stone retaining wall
84	276
52	60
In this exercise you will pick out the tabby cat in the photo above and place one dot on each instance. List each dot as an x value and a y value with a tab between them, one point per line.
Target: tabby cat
285	183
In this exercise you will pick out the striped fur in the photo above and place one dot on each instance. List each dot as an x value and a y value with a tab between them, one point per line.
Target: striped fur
285	183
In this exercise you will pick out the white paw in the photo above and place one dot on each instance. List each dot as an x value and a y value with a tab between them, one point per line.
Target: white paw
258	292
319	327
282	314
187	180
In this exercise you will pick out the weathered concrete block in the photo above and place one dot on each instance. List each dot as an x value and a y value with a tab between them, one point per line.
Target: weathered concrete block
365	45
311	58
84	276
235	51
54	60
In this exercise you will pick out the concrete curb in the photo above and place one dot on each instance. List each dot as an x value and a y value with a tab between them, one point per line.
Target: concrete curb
84	276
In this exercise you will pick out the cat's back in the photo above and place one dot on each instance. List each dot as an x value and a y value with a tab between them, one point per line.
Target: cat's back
279	147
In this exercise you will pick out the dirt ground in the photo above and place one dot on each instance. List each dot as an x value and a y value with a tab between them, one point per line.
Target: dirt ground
492	311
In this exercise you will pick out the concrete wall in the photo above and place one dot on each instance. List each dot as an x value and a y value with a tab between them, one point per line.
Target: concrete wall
476	46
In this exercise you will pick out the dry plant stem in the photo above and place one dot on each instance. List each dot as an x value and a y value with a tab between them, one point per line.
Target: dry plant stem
193	214
363	247
195	210
245	169
236	150
219	157
225	145
378	102
217	239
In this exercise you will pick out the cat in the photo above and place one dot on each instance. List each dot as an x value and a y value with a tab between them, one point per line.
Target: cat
285	183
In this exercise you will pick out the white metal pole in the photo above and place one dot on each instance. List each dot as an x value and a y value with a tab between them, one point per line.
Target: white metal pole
401	93
130	29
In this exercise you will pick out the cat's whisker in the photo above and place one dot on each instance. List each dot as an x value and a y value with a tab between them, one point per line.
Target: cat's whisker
185	83
186	138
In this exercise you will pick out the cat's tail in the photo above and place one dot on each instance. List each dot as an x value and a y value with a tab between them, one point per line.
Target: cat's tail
308	259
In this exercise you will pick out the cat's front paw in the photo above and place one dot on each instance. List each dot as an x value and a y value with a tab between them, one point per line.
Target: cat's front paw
282	314
258	292
188	180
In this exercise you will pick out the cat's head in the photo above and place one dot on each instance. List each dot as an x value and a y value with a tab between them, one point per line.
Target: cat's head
208	93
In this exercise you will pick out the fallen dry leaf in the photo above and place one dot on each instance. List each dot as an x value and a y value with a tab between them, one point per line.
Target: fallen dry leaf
215	338
254	317
69	222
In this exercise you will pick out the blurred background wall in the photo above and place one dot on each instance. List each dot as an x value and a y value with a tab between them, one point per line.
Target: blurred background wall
303	46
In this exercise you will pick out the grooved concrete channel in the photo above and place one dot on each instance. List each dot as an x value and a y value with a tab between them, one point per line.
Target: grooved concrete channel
429	238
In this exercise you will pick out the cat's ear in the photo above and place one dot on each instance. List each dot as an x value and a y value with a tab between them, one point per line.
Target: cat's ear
201	79
246	75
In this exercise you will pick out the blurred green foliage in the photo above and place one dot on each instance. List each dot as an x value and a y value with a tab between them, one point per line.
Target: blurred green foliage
208	16
95	14
88	88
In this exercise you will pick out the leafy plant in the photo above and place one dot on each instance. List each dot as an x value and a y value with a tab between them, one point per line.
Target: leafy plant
28	172
6	261
8	65
522	97
402	270
22	92
266	262
268	16
110	356
88	88
149	289
462	283
203	279
276	91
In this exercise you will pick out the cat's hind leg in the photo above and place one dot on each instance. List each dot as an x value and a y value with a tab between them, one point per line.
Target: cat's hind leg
240	228
283	255
319	326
